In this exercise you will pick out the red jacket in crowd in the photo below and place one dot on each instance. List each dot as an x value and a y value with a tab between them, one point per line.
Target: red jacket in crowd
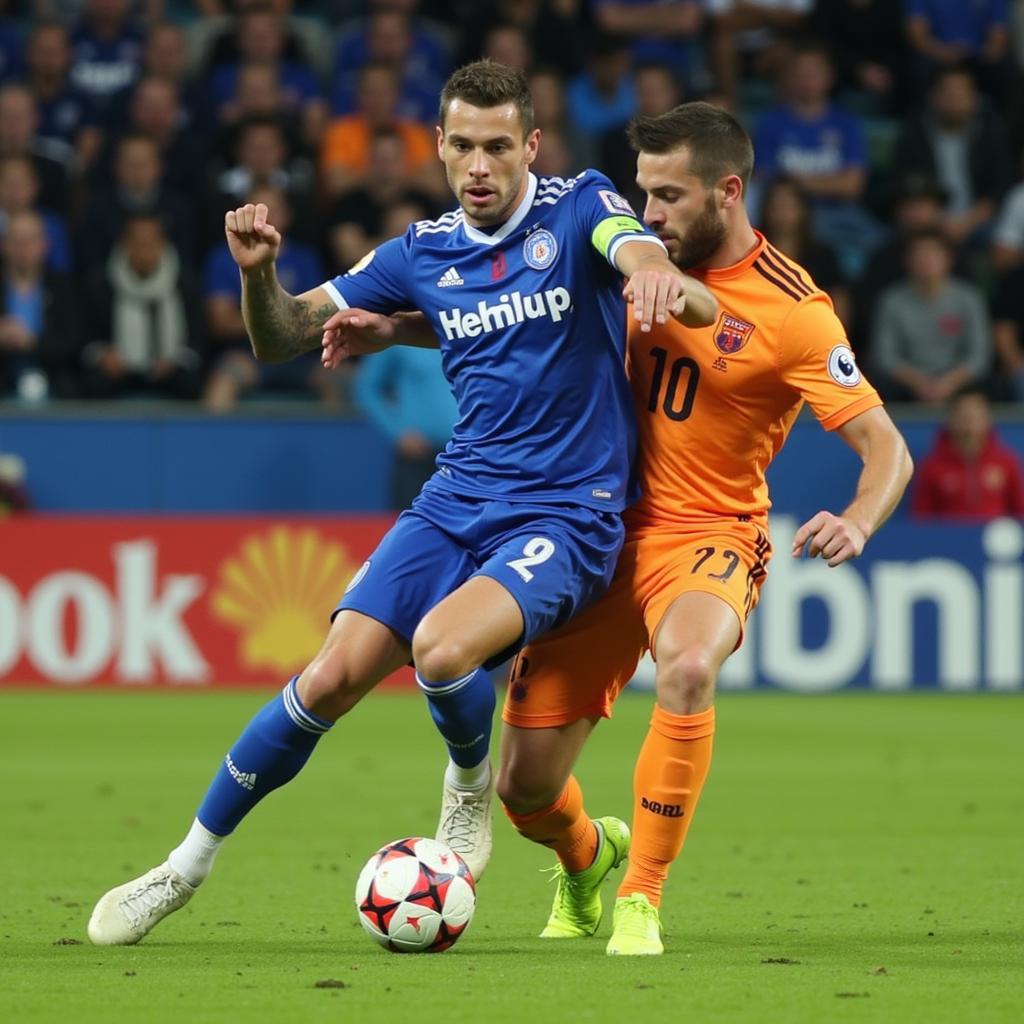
950	486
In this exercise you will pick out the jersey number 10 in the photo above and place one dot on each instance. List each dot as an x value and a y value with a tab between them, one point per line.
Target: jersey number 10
673	408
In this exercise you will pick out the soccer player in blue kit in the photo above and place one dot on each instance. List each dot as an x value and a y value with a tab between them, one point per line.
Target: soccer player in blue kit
519	528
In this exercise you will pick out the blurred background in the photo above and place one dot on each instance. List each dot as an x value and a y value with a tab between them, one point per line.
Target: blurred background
174	513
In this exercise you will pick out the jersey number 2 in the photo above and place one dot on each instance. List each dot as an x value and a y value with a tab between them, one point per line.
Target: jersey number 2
538	550
672	406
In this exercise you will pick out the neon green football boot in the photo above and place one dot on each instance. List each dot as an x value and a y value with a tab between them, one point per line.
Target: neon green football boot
576	910
636	928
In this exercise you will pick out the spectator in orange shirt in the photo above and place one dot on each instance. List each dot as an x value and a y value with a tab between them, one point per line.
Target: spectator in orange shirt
345	152
970	473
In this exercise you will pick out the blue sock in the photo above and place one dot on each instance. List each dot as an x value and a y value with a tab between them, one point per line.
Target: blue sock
270	752
462	710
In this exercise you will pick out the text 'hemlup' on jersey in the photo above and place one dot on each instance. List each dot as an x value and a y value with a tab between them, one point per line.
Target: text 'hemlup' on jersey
511	309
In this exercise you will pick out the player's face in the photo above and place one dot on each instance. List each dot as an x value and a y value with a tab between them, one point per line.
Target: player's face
486	159
685	214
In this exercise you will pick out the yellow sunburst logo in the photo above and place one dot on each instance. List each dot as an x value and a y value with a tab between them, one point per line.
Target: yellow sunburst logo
278	592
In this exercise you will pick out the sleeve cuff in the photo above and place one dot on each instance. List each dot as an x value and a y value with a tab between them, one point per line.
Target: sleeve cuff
844	415
336	296
622	239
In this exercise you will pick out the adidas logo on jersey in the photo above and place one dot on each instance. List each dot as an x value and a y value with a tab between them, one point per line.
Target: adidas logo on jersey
511	309
449	278
247	780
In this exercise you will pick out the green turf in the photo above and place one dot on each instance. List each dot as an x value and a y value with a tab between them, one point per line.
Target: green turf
855	858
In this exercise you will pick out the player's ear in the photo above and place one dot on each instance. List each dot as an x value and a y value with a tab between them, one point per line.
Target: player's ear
440	141
532	145
732	190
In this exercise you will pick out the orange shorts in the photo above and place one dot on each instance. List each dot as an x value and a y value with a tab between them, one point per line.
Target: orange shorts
578	670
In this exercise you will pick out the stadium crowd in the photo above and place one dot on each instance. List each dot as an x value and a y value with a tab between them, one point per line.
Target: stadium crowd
889	137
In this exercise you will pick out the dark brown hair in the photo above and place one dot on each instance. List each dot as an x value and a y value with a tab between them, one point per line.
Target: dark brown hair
486	83
717	142
786	183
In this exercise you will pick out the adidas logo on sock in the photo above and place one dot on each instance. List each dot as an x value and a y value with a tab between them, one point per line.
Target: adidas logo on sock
245	779
463	746
449	278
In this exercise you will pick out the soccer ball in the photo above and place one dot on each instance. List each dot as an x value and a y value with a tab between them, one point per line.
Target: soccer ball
415	896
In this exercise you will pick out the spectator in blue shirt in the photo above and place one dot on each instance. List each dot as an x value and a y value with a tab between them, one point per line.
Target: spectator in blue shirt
603	98
165	57
19	193
12	45
38	322
19	123
822	146
261	41
946	33
106	49
403	391
235	369
67	119
258	95
659	32
392	37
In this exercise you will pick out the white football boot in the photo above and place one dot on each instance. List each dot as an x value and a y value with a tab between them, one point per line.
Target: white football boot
465	824
129	912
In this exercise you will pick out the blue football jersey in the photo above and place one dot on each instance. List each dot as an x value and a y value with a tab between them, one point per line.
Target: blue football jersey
532	328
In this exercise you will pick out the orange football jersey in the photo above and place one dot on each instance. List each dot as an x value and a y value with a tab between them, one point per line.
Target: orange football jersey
715	404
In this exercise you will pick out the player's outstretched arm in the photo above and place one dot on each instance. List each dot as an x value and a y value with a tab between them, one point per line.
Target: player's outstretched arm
883	479
358	332
658	289
280	326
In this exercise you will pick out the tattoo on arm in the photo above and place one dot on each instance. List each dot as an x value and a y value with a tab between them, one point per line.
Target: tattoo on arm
281	326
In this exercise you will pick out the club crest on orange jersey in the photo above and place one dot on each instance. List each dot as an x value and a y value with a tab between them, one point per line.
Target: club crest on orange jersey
732	333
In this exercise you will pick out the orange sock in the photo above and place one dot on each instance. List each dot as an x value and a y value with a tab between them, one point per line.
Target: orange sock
563	827
669	775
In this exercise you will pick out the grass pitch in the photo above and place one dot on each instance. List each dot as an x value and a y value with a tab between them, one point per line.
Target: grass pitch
856	858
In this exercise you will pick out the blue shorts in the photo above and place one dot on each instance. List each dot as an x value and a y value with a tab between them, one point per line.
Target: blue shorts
553	559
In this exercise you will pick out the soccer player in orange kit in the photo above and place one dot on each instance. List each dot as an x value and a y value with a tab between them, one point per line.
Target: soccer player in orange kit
715	405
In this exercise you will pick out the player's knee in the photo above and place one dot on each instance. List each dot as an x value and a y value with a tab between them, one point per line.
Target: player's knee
523	789
685	680
439	657
328	687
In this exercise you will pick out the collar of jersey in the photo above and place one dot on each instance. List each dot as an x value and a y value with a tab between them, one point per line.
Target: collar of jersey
725	273
506	229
